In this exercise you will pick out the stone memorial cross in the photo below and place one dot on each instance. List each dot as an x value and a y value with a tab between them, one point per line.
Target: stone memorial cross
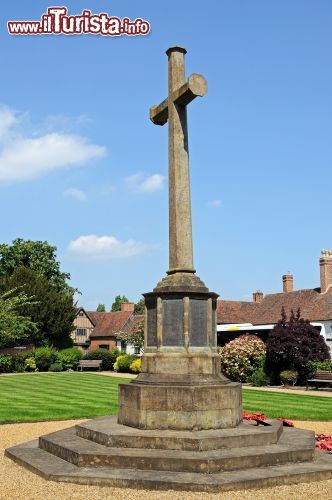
180	386
173	109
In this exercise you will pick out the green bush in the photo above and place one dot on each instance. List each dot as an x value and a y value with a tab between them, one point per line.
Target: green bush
241	357
45	357
313	366
288	377
30	364
123	362
108	357
259	378
69	358
18	361
5	363
56	367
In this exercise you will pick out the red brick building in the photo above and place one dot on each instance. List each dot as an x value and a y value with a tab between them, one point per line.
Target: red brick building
315	303
97	330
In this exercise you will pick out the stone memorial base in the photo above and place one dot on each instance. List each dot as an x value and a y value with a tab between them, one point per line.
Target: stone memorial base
104	453
180	391
180	407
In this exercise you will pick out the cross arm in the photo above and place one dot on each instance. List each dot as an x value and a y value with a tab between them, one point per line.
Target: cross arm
159	114
195	86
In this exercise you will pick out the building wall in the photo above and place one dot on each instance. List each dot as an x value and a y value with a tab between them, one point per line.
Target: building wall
327	333
81	323
127	348
96	343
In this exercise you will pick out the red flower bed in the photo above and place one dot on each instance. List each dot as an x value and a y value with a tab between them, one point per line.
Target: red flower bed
323	441
253	416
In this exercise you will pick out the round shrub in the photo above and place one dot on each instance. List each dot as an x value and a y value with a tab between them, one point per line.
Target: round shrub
30	364
288	377
108	357
123	362
45	357
56	367
69	358
241	357
135	366
259	378
5	363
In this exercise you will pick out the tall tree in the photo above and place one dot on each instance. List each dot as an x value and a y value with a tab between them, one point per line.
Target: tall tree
53	311
39	256
101	308
116	306
140	306
14	327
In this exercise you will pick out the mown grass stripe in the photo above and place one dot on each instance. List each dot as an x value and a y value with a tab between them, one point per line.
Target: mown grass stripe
48	396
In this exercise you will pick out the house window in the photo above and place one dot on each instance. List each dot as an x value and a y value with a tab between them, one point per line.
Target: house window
123	347
137	350
104	346
80	331
81	313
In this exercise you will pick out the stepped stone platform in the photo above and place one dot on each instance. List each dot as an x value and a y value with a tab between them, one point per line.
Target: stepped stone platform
105	453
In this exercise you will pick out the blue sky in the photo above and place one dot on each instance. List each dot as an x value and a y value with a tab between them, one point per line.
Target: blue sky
80	160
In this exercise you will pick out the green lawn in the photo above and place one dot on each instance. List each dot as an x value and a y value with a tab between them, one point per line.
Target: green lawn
291	406
59	396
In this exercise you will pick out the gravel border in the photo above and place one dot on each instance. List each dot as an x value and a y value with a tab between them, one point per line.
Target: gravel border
17	483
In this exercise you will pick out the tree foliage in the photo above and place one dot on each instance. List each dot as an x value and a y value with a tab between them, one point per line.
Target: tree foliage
291	345
39	256
134	337
15	327
140	307
101	308
116	306
52	311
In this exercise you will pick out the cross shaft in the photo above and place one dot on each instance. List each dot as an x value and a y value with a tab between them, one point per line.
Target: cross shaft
173	110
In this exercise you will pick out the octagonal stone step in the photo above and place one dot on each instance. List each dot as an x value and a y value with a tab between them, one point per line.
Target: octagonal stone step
106	431
52	468
297	446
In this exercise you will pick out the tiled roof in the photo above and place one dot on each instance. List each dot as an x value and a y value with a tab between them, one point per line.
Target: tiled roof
109	323
314	306
232	311
138	318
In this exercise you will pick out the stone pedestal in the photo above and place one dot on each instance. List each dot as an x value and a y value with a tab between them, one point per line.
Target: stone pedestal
180	386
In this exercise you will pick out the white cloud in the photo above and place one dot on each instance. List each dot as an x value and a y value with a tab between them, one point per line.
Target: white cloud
75	193
64	122
107	247
23	157
7	120
215	203
137	182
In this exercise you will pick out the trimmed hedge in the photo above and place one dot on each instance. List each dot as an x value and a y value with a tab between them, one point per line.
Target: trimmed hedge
108	357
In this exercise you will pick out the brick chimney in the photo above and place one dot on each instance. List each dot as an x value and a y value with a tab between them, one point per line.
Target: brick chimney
127	306
325	263
257	296
287	283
